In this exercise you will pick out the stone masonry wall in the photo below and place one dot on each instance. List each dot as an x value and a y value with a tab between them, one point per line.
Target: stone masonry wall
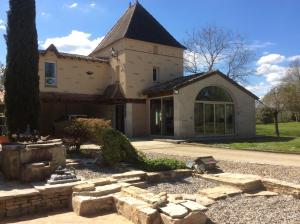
34	202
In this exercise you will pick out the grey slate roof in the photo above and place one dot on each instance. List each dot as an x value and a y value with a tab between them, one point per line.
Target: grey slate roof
137	23
168	88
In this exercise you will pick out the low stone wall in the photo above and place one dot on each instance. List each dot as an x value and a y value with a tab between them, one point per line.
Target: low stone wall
282	187
20	202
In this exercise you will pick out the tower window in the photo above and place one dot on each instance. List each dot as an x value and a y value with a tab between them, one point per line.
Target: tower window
155	74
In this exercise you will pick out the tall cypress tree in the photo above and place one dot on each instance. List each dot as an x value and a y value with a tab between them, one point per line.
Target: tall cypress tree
21	77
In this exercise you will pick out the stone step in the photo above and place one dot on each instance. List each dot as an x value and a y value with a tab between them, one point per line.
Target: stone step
220	192
140	184
102	181
101	190
130	174
131	180
245	182
90	206
135	210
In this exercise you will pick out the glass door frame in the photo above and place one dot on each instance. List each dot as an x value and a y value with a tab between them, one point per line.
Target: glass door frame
225	116
162	117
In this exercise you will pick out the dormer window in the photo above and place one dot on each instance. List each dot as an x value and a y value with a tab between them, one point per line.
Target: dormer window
50	74
155	75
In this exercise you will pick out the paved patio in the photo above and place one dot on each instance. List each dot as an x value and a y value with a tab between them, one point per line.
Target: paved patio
68	218
194	150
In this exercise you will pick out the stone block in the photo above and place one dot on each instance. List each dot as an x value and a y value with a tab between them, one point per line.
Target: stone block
245	182
102	181
262	193
282	187
194	206
153	177
130	174
175	211
89	206
220	192
101	190
203	200
84	187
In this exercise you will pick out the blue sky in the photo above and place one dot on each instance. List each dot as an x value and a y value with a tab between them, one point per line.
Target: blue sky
270	26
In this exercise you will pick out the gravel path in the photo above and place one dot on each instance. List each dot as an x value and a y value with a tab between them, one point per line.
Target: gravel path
258	210
188	185
287	173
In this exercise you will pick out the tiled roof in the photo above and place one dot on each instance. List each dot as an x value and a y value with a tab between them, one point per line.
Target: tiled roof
72	56
168	88
137	23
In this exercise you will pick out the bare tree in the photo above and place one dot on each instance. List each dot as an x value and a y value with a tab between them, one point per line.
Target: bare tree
213	47
274	100
291	89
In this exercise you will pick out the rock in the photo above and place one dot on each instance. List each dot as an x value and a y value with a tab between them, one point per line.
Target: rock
102	181
192	218
245	182
174	211
220	192
203	200
262	193
130	174
194	206
101	190
88	206
282	187
84	187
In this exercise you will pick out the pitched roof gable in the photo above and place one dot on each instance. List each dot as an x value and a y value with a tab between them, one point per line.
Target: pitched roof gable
137	23
53	49
167	88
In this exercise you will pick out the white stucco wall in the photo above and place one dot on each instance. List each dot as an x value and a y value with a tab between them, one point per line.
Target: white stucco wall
184	103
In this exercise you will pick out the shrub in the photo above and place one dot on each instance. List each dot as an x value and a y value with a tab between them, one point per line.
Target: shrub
160	164
116	147
81	129
265	115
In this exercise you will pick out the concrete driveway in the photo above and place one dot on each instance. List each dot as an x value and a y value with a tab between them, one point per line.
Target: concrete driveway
194	150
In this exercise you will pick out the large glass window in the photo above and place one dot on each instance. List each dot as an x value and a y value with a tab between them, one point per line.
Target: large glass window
213	93
214	112
50	74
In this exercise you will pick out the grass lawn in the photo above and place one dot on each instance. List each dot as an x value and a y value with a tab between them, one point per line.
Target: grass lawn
289	140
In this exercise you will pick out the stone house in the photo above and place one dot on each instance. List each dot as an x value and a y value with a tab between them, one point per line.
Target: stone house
135	78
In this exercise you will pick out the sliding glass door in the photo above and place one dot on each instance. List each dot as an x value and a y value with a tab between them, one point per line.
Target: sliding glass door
214	119
162	116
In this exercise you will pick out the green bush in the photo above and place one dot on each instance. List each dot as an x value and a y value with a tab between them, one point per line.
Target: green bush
116	147
81	129
160	164
264	115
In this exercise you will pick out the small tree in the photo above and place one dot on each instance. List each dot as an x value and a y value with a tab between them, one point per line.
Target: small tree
213	48
291	89
274	100
21	76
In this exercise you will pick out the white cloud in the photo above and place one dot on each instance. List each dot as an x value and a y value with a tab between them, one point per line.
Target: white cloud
271	59
258	44
93	4
73	5
76	42
2	25
293	58
259	89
